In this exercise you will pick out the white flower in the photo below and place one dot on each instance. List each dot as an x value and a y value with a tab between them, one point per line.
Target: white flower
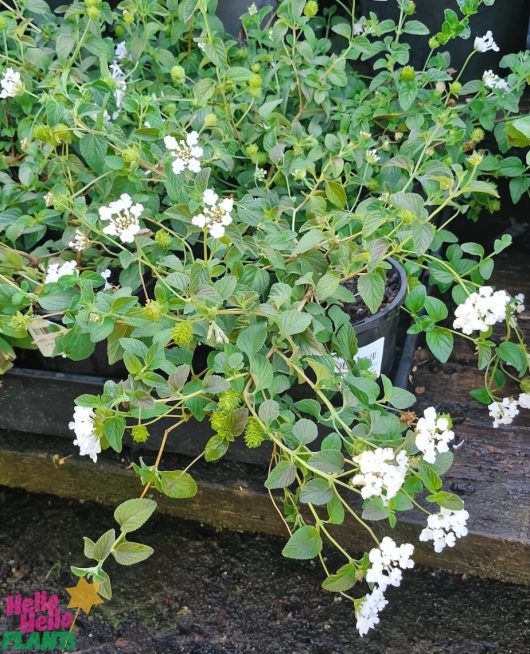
216	215
49	199
121	51
123	218
186	153
106	274
260	174
503	412
381	472
485	43
357	29
492	81
252	10
524	400
57	270
368	612
388	560
372	157
11	84
433	435
444	528
83	426
481	310
120	86
79	242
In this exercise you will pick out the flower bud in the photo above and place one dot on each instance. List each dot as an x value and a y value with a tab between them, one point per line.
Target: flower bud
475	159
93	13
433	43
311	8
119	30
254	434
131	155
455	88
128	17
255	81
477	135
229	400
152	310
411	8
163	239
3	22
210	120
92	3
182	333
62	133
139	433
408	74
255	68
178	74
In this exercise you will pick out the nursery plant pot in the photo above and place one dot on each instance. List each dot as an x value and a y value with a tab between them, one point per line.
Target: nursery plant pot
377	334
508	20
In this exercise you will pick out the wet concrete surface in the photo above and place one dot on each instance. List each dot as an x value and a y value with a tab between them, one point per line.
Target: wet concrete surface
211	592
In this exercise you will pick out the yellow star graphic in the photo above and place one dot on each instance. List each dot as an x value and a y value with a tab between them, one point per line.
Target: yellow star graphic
84	595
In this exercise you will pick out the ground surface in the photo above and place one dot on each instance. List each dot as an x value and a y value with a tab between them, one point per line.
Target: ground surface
208	592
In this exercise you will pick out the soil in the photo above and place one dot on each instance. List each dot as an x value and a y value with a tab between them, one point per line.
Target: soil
359	311
211	592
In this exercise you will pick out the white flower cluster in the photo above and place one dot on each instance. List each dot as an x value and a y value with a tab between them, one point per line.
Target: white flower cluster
444	528
433	435
57	270
106	274
368	612
372	157
485	43
387	563
83	426
524	400
216	215
120	86
492	81
503	412
123	218
120	51
481	310
186	153
381	472
79	242
11	84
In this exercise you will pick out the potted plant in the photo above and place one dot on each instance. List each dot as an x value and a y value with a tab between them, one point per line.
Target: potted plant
256	196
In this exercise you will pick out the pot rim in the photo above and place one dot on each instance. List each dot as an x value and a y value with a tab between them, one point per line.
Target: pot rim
366	323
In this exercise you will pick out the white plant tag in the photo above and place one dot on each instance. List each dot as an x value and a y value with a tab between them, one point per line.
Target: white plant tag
43	332
374	352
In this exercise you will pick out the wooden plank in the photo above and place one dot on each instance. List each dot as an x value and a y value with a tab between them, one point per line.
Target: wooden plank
233	497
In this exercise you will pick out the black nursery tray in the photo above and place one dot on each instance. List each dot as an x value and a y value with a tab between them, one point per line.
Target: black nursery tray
42	402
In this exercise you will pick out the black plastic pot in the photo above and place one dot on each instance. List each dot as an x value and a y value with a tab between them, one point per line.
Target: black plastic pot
507	19
377	334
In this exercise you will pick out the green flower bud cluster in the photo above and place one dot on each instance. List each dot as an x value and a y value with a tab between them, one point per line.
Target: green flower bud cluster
220	423
178	74
408	74
163	239
229	400
153	310
139	433
182	333
311	8
254	434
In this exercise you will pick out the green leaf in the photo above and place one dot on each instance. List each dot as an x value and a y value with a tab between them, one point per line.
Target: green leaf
128	553
429	477
308	406
440	343
401	398
94	149
446	500
514	355
268	411
327	285
328	461
422	236
215	448
305	431
252	339
309	241
113	428
88	550
293	322
415	27
103	545
261	371
132	514
435	308
281	476
335	511
344	579
336	194
305	543
481	395
316	491
177	484
415	299
371	287
345	342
